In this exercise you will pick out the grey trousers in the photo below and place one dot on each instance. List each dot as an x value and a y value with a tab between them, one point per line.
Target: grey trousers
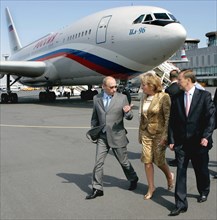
102	150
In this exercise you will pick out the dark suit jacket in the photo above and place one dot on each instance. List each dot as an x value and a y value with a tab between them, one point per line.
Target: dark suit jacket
112	119
173	89
188	131
215	103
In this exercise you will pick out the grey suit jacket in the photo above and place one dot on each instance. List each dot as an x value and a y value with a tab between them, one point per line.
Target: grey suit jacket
113	119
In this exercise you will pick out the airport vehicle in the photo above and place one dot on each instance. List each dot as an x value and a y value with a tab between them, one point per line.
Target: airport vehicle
121	42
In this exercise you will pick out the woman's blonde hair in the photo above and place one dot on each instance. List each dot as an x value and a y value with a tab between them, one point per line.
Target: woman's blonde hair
153	81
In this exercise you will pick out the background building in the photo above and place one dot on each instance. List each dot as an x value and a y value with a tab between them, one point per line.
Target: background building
202	60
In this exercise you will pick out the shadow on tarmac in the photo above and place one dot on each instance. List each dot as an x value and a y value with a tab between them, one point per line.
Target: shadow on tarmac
83	181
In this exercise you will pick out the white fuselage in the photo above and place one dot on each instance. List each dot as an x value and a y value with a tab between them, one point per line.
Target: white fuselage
106	43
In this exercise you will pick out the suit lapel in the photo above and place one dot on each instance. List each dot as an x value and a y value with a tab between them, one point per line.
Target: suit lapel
181	102
194	101
100	100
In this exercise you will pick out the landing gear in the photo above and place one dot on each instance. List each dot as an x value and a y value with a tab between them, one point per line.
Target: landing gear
47	96
88	95
122	88
9	97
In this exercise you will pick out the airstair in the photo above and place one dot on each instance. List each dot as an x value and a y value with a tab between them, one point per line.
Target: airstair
163	71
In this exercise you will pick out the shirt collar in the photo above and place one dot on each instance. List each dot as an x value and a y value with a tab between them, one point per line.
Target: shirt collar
175	81
105	95
191	91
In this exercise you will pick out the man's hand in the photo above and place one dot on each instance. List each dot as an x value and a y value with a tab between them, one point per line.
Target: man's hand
171	146
127	108
204	142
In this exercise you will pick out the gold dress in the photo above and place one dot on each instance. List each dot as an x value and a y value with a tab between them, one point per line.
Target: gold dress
154	111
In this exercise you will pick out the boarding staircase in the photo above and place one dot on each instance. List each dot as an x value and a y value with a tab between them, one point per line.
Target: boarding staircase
163	71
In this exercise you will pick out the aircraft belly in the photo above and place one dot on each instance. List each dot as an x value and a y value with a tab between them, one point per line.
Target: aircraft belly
65	72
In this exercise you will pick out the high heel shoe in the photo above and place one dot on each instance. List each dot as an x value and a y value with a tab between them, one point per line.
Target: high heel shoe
171	182
149	194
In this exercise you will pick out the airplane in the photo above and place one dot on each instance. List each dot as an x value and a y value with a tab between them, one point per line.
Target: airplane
122	42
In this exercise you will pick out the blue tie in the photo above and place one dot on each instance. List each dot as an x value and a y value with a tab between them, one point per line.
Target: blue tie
107	103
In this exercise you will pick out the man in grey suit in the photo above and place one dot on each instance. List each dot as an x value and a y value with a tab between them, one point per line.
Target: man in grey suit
109	110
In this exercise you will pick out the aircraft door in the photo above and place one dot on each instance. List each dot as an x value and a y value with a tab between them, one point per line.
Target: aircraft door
102	30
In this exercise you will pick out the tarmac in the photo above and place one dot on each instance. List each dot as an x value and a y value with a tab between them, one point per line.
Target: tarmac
46	164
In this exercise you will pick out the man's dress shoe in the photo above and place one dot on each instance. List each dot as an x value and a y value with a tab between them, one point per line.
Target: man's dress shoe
202	198
177	211
95	193
133	184
173	163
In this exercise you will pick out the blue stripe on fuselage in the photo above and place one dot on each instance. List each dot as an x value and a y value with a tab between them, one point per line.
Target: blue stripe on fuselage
89	57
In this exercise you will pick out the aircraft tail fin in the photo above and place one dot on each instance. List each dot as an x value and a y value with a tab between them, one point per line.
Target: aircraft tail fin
13	36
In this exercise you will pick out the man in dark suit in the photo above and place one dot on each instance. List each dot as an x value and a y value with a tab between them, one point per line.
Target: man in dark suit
109	110
215	103
172	90
191	126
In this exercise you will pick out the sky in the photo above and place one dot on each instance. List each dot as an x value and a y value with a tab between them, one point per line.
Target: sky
34	19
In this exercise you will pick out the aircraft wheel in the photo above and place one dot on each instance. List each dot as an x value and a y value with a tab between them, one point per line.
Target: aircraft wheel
4	98
95	92
42	96
47	96
127	93
51	96
13	98
88	95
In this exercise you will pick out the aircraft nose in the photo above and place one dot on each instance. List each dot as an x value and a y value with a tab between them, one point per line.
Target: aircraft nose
174	37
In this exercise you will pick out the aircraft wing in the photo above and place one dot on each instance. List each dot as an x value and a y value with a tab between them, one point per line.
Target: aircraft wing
22	68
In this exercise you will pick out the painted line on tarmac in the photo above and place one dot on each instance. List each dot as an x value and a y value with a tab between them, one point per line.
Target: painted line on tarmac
54	127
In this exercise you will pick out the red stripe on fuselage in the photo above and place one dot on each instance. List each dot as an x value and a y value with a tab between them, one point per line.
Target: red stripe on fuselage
100	69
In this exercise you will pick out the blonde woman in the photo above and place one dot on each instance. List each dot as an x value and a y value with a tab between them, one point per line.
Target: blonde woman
154	117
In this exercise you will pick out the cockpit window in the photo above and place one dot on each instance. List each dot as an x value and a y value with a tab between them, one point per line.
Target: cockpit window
161	16
148	18
173	18
139	19
160	19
